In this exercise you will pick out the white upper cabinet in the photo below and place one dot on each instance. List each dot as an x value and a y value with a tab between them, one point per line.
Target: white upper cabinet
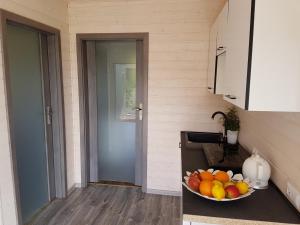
221	50
262	57
212	58
216	47
275	71
237	44
222	27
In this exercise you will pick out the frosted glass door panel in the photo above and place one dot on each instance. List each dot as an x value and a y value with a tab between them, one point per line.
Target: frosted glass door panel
28	118
116	101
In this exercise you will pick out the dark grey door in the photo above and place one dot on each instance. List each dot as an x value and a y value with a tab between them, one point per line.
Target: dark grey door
115	111
31	117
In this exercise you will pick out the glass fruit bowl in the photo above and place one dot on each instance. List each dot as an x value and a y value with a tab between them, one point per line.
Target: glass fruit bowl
217	185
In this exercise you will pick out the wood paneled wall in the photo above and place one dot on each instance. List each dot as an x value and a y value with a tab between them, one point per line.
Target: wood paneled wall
53	13
277	137
178	58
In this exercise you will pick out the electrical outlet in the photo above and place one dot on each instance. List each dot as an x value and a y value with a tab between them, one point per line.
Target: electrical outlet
293	195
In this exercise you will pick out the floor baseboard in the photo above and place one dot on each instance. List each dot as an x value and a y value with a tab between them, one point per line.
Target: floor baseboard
163	192
148	191
78	185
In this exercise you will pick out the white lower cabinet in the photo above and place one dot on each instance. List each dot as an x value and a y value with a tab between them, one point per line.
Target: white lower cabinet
186	223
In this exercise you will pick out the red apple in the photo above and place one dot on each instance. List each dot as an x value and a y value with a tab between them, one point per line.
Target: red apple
195	174
232	192
194	183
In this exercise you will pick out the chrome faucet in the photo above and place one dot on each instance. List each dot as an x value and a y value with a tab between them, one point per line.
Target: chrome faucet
225	123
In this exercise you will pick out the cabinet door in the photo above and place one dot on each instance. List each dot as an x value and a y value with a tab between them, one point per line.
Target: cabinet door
220	73
275	73
222	27
221	50
212	58
237	43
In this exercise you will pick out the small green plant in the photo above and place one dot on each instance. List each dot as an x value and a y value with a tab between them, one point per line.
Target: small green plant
233	122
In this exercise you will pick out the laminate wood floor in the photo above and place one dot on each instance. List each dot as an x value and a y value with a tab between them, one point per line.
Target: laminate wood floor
111	205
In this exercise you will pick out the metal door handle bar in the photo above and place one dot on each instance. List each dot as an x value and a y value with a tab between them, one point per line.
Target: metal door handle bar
49	115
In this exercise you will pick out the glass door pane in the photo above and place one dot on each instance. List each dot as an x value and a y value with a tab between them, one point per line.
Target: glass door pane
28	117
116	101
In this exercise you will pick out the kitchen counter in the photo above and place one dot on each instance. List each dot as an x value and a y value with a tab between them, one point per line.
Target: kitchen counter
268	206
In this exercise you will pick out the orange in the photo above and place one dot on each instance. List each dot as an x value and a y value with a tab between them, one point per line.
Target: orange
222	176
205	188
205	175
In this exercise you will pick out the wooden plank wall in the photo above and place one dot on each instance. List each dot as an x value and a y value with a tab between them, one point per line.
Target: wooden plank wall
178	58
276	136
53	13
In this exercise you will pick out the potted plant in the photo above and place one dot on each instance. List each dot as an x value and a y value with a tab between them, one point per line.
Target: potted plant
232	125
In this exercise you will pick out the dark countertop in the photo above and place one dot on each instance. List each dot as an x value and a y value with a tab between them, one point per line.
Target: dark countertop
268	205
214	155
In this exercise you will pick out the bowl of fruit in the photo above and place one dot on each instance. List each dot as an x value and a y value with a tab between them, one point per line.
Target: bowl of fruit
217	185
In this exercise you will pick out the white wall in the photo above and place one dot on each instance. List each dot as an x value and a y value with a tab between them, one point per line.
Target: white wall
1	217
178	58
53	13
276	136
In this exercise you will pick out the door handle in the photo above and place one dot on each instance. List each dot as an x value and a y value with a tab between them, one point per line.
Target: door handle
49	115
230	96
139	109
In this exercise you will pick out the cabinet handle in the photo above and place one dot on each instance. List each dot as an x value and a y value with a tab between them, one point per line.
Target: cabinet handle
230	96
220	48
209	88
